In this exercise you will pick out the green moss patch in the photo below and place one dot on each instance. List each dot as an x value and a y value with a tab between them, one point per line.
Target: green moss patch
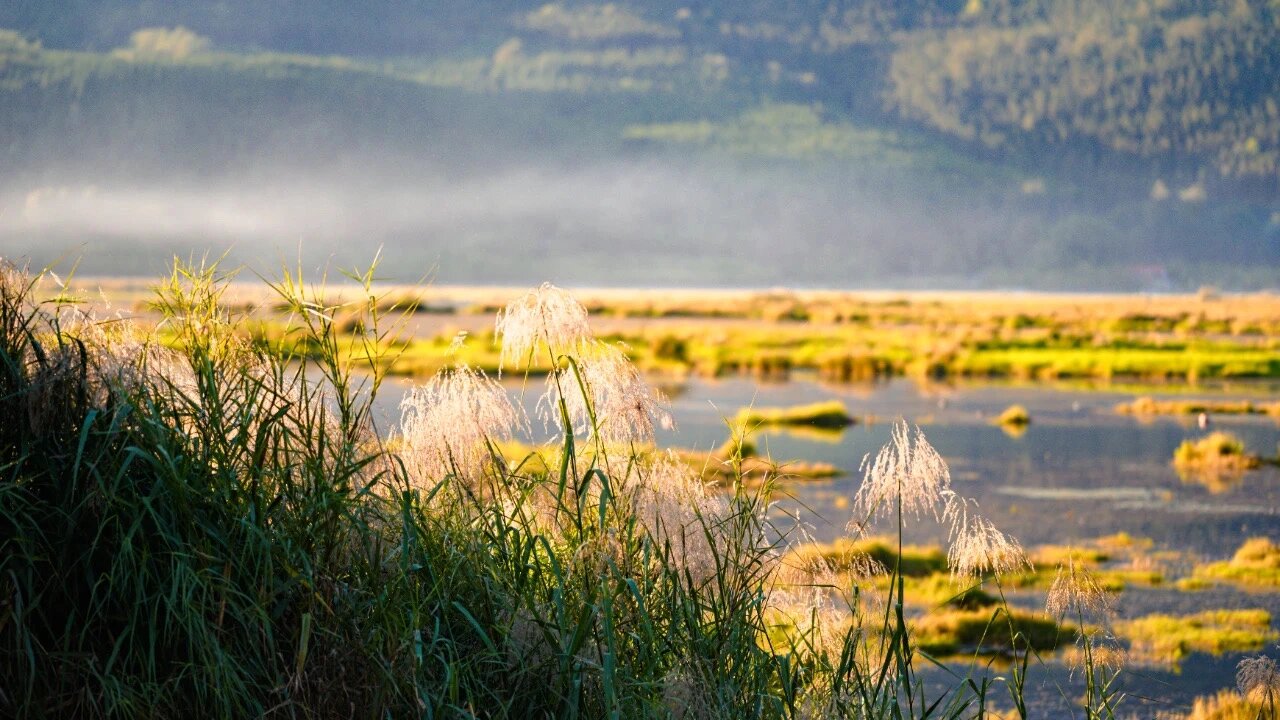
829	414
1172	637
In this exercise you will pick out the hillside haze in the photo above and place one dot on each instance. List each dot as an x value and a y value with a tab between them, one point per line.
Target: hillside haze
1051	144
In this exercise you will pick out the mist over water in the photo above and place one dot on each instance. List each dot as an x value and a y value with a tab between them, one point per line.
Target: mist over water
633	222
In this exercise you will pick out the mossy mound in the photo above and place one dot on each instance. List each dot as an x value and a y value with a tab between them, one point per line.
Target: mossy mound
1255	565
1226	705
988	630
1218	453
846	554
1169	638
1014	416
829	414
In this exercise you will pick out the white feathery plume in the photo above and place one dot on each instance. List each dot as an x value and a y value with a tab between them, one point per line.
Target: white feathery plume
908	469
979	548
1076	592
676	510
625	408
546	316
1258	677
447	421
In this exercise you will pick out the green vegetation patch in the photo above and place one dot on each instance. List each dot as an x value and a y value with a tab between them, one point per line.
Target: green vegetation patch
797	132
846	554
988	631
1172	637
940	590
1218	453
1255	565
829	414
1014	415
1226	705
1146	405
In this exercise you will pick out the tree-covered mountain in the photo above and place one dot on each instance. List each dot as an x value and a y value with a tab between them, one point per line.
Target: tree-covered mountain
1074	143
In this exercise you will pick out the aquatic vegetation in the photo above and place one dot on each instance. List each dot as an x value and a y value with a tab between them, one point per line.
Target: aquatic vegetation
848	553
956	336
1193	584
1123	541
1113	562
1216	455
829	414
736	460
940	589
1256	564
1166	639
248	538
1051	556
1015	416
964	631
1147	405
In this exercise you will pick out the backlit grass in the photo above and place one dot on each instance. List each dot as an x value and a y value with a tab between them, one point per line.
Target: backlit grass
208	521
847	337
1146	405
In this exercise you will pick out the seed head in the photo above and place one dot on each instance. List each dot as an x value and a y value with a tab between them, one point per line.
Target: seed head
447	421
1076	592
625	407
1099	651
979	548
906	468
674	507
545	316
1258	676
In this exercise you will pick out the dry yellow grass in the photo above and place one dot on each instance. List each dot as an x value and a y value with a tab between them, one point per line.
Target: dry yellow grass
1214	459
1226	705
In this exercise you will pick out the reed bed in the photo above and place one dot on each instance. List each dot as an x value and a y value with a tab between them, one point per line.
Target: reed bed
193	524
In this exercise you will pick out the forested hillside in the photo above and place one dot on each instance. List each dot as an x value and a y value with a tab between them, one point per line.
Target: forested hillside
1133	145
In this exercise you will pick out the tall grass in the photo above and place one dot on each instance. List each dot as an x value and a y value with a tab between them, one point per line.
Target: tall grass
222	530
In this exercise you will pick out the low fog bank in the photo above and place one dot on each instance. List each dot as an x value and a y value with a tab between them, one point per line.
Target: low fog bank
613	224
620	223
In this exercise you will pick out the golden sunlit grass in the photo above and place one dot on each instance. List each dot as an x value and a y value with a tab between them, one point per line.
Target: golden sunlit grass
860	336
916	561
1015	416
309	563
953	632
829	414
1256	564
1226	705
1147	405
1162	639
1214	459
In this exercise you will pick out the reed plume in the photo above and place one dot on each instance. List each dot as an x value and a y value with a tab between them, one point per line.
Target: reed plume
1258	677
544	317
907	474
612	401
448	422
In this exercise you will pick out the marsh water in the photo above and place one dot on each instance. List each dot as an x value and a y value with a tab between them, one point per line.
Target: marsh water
1079	471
